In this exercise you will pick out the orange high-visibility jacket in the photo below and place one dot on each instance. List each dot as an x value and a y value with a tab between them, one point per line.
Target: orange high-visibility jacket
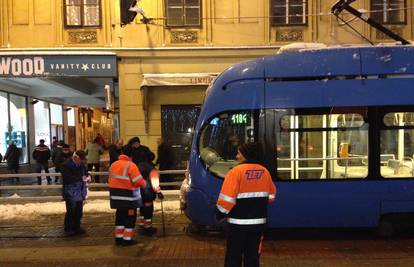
125	181
246	192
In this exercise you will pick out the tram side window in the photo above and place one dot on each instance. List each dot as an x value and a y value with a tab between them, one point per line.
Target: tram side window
324	146
397	145
222	135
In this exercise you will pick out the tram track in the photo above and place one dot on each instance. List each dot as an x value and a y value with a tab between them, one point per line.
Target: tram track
53	231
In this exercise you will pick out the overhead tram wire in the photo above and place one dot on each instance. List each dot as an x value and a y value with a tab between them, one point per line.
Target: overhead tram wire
355	30
320	14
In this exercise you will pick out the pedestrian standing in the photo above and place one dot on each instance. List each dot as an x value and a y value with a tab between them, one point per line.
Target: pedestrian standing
94	152
115	150
12	158
125	181
244	197
60	158
140	153
55	142
55	150
41	154
149	193
74	179
165	159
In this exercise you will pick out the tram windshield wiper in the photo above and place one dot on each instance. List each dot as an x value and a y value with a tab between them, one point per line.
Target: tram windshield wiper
341	5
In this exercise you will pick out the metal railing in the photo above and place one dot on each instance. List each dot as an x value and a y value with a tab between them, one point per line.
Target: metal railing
55	186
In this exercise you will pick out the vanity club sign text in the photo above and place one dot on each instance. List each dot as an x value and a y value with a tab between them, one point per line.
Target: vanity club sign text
32	66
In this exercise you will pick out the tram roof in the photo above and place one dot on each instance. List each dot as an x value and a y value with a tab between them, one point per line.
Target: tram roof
325	61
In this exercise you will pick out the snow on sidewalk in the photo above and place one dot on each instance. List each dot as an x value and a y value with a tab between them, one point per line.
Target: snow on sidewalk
32	211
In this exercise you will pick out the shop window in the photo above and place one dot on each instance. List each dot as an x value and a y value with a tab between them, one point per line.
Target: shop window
288	12
13	124
4	122
178	122
323	146
389	11
82	13
18	124
71	116
183	13
42	122
56	121
397	145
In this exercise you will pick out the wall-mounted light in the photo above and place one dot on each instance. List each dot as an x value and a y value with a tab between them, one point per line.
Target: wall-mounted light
67	109
34	101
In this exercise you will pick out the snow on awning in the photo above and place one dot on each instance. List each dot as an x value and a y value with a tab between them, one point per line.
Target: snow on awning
177	79
170	79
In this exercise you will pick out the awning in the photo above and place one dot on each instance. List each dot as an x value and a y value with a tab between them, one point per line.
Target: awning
178	79
171	79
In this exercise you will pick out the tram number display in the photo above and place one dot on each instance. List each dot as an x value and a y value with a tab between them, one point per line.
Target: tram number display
240	118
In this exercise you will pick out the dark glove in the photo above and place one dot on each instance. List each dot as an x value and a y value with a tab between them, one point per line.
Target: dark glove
160	196
220	216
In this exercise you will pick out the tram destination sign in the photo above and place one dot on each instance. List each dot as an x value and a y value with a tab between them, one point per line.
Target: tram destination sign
62	65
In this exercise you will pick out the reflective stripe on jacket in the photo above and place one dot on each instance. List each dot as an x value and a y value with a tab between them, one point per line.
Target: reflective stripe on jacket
246	191
125	181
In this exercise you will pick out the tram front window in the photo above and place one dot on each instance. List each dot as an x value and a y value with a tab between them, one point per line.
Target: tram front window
221	137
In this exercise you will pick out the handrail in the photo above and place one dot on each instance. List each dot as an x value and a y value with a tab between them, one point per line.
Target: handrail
56	174
310	159
55	186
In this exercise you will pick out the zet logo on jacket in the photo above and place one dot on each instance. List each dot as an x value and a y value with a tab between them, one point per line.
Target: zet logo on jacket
254	174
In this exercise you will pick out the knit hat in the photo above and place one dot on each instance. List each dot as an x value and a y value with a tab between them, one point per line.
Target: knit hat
127	150
251	151
134	140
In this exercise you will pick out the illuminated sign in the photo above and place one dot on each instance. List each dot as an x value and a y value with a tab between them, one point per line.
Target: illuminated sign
70	65
240	118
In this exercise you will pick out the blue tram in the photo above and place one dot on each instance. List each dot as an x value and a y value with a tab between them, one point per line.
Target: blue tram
337	128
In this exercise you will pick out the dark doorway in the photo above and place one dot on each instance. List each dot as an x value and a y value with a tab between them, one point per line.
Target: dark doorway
178	122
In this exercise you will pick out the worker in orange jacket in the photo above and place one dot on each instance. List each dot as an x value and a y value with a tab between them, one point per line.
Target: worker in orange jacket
244	197
125	181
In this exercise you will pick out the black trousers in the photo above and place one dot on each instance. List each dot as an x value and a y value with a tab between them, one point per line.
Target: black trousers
243	243
125	217
147	210
90	166
73	216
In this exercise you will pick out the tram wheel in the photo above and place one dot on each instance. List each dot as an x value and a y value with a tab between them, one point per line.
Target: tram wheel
386	228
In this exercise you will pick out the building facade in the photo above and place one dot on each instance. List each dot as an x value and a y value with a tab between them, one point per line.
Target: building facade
165	58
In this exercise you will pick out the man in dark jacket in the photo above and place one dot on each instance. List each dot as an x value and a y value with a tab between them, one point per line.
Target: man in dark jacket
74	178
165	159
56	150
61	156
41	154
12	158
140	152
115	150
149	193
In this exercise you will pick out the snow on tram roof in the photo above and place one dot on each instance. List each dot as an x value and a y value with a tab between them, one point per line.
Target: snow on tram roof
304	46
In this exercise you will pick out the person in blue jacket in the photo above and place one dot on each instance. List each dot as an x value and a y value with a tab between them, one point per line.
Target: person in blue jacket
74	179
